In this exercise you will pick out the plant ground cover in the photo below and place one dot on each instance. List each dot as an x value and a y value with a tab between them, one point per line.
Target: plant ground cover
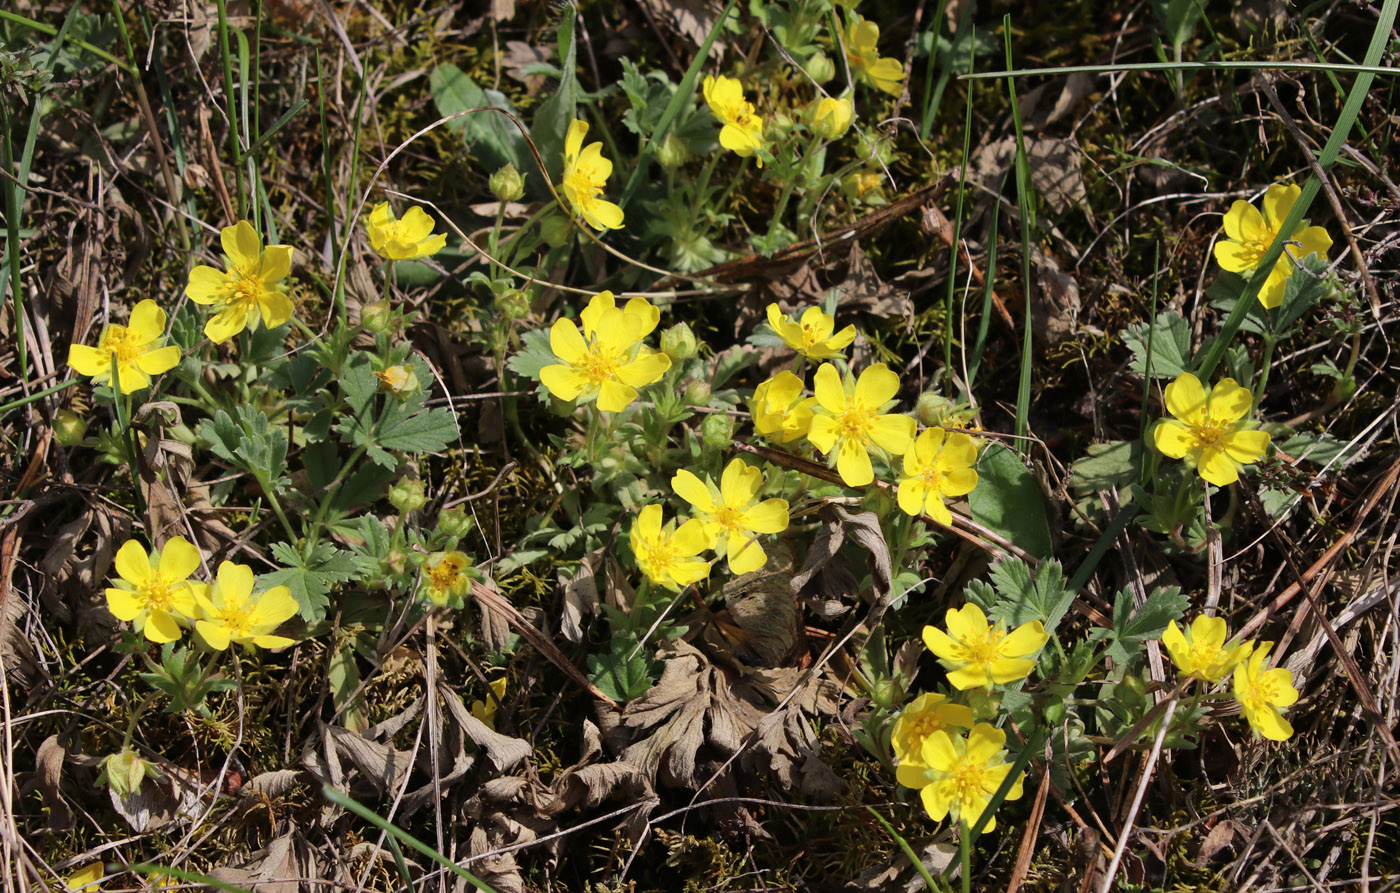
699	446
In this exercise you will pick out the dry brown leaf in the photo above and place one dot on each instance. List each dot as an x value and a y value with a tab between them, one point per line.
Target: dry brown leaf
580	595
48	773
162	799
824	582
693	19
382	765
503	750
762	621
1056	169
275	868
519	55
1223	835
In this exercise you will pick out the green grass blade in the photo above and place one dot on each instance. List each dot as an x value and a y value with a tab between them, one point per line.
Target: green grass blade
1025	202
909	853
985	323
1260	65
957	231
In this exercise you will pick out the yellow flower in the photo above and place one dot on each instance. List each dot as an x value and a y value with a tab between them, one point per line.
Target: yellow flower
730	514
938	466
1200	652
154	592
445	577
1262	692
403	239
1249	234
137	347
850	419
864	57
252	288
779	412
1209	431
959	775
234	613
831	118
928	713
667	554
979	654
586	172
485	710
401	381
742	132
812	337
606	361
85	879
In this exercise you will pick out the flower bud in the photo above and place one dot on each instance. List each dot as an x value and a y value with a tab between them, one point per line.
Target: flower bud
124	772
69	427
888	694
820	68
717	431
454	522
401	381
407	496
932	410
377	316
697	393
556	230
513	303
673	152
678	342
507	184
831	118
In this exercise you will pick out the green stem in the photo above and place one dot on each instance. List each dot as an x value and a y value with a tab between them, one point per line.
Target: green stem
276	505
12	208
1265	361
52	31
231	105
965	855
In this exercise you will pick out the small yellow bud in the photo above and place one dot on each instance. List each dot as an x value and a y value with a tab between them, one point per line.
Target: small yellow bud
831	118
124	771
401	381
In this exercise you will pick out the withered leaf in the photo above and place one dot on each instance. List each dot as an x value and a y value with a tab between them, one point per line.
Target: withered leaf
503	750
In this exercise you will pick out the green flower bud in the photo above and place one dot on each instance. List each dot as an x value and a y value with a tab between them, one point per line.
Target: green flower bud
673	152
455	522
820	68
932	410
717	431
69	427
887	693
678	342
377	317
556	230
513	303
407	496
123	771
507	184
697	393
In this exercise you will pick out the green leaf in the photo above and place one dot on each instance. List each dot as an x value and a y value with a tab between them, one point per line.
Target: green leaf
555	114
618	676
1317	448
1132	628
424	432
1107	465
1023	596
533	356
310	578
1170	337
1008	500
490	136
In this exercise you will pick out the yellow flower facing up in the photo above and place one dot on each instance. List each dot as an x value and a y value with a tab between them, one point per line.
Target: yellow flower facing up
742	132
831	117
234	613
850	419
137	347
864	57
606	361
1249	234
1200	652
666	554
1210	430
731	515
814	335
445	577
780	412
978	654
1263	694
250	290
939	466
928	713
404	238
154	592
586	172
958	776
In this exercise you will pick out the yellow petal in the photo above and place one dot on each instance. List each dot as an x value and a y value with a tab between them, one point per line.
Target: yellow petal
563	382
745	555
206	285
826	384
603	215
690	538
911	495
130	379
1217	468
214	635
161	627
740	483
738	140
241	243
648	367
769	516
973	676
415	225
147	322
693	490
124	604
823	433
275	607
1315	241
1269	724
1173	439
275	307
1228	402
234	583
1243	223
1271	295
940	644
1236	257
853	463
567	342
178	560
276	264
1278	203
89	360
966	623
272	641
646	311
893	433
133	564
958	482
1024	641
1186	398
1245	447
226	323
614	396
573	141
878	384
154	362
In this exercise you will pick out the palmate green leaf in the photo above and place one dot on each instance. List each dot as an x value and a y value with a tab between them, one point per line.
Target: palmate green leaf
1106	465
310	578
1023	596
422	432
624	673
533	356
1170	343
1008	500
1133	628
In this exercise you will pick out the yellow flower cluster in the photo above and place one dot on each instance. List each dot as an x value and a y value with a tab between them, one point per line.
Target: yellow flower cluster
1200	652
155	593
1210	430
957	775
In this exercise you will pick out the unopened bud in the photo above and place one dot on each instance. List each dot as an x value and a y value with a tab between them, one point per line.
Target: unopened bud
507	184
377	316
820	68
673	152
697	393
678	342
831	118
932	410
407	495
455	522
401	381
555	230
513	303
69	427
717	431
124	772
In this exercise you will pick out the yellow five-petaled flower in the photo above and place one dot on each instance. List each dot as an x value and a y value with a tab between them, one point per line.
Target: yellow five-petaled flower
742	132
959	775
586	172
607	360
864	57
1249	235
445	577
731	515
978	653
814	335
666	554
1263	693
1200	651
1210	430
136	346
405	238
154	592
850	418
250	290
233	613
928	713
939	466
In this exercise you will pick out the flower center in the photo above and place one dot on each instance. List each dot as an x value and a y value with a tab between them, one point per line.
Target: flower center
661	556
970	780
925	725
156	592
1257	247
855	422
584	182
122	344
982	648
1260	693
1211	434
600	365
729	518
246	289
445	575
932	477
237	621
